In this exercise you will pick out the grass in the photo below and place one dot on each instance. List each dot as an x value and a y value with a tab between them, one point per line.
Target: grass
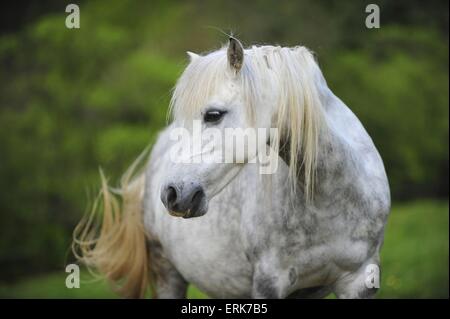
53	286
415	253
414	261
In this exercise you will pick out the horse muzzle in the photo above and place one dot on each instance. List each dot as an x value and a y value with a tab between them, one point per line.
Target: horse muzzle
184	200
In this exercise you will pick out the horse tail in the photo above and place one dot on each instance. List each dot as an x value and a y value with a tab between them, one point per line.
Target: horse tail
111	238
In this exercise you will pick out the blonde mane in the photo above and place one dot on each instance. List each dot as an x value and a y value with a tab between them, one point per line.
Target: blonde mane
298	114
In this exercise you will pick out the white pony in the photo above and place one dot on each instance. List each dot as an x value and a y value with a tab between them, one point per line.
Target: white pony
313	227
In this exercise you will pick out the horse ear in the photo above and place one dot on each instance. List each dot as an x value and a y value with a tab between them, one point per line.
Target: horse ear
192	55
235	54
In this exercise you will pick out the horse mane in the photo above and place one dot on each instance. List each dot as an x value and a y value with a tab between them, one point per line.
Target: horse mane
299	112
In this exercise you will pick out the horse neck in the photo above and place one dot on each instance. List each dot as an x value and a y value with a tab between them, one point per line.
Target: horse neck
336	158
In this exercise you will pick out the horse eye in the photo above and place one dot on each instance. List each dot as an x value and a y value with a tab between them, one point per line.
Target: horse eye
213	116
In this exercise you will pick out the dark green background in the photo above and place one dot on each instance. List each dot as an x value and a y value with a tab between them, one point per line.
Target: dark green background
74	100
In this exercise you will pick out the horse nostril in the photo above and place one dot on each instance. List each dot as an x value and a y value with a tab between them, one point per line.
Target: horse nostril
197	198
171	196
183	201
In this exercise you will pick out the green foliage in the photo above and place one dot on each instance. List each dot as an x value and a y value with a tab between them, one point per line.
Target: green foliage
414	257
74	100
397	86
